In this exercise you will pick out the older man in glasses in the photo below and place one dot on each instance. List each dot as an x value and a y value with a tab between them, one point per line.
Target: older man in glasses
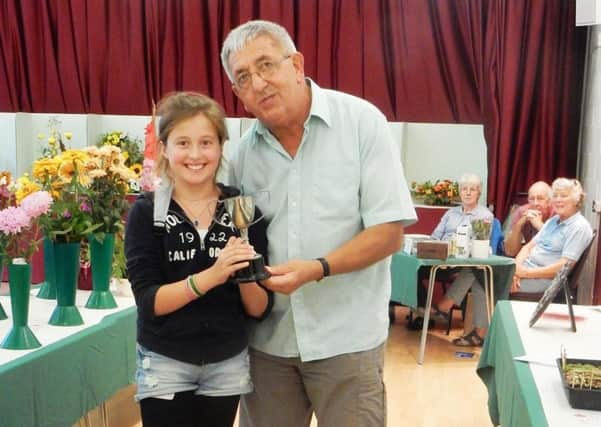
338	204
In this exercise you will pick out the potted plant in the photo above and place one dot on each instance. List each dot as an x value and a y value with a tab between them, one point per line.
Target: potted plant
481	229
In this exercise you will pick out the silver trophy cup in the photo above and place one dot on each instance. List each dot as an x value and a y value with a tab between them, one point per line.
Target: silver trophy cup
241	210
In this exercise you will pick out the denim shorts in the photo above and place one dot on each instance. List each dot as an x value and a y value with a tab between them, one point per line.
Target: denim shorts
161	377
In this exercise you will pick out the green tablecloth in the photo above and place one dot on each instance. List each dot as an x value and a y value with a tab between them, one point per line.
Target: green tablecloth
61	382
513	399
404	269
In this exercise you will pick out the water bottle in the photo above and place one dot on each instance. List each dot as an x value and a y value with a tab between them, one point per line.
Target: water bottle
463	237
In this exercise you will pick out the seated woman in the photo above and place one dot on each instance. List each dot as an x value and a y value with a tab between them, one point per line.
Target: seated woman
470	188
562	239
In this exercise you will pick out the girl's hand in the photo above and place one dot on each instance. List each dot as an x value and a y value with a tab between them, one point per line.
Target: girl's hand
233	257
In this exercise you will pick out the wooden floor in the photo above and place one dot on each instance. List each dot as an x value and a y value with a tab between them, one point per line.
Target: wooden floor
443	392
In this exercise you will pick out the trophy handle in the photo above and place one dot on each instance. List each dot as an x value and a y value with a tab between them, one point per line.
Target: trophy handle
262	195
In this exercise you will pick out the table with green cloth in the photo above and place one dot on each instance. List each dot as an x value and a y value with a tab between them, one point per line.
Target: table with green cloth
404	272
530	394
75	370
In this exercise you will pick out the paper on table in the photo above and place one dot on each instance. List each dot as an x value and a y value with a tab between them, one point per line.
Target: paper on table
545	360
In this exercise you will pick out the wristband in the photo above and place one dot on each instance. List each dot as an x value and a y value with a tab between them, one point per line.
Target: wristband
325	266
193	287
189	292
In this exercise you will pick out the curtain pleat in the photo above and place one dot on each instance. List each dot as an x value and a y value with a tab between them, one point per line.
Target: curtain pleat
514	65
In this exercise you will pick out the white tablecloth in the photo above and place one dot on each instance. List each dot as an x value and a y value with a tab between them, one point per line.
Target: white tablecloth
39	314
542	345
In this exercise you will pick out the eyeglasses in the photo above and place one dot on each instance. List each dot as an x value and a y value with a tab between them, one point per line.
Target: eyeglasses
265	69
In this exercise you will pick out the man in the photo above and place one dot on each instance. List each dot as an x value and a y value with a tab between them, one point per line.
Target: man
338	204
528	219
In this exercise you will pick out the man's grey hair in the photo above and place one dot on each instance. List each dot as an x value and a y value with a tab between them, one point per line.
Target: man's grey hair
240	36
470	178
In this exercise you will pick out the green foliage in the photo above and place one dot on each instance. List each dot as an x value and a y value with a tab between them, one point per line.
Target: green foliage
69	219
481	229
119	261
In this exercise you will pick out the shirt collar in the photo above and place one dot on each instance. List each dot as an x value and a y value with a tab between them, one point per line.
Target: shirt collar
319	109
568	221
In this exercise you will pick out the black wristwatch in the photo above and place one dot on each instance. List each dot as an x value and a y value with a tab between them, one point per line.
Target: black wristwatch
325	266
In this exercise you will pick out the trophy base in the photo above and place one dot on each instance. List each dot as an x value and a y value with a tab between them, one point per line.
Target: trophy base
254	272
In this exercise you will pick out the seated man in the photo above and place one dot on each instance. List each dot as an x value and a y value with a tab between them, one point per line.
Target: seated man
528	219
563	238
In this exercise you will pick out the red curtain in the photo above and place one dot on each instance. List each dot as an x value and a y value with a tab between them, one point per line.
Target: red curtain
514	65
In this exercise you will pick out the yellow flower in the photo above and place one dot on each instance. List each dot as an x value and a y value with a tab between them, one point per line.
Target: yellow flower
25	187
45	168
68	135
136	168
40	136
52	140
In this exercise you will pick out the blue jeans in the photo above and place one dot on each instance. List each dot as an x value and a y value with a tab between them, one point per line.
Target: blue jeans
161	377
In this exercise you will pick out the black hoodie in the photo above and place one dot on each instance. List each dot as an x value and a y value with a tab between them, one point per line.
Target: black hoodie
209	329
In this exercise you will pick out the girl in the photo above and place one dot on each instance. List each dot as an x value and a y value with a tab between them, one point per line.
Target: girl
192	362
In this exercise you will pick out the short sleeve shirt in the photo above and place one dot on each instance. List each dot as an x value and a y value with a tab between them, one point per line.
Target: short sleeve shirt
560	239
345	177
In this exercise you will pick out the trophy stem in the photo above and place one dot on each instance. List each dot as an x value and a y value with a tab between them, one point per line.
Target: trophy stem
244	234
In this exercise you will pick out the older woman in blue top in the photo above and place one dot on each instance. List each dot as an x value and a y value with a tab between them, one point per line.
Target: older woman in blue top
562	239
470	189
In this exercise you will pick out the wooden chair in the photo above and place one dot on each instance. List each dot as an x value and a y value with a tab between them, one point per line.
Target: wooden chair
573	279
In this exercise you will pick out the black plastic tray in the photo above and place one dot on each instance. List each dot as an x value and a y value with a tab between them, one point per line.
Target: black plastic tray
580	398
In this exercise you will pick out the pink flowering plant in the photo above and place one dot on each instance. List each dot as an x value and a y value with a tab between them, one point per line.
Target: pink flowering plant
19	225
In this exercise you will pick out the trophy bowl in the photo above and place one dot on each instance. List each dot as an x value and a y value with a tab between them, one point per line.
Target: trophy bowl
241	210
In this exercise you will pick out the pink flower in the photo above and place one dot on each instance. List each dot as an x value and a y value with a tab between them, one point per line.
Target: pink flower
13	220
37	203
85	207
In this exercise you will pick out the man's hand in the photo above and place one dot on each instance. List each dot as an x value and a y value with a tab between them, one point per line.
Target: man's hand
288	277
535	218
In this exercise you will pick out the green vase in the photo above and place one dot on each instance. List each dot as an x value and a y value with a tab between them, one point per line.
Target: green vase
101	263
48	288
20	337
2	312
66	269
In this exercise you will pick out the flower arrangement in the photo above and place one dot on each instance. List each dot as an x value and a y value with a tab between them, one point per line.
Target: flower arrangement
66	177
481	229
19	225
56	138
131	149
440	193
110	178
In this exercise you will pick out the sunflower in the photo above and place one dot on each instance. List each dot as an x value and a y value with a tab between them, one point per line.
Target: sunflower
136	168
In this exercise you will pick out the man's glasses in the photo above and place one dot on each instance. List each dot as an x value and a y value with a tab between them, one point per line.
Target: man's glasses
265	69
